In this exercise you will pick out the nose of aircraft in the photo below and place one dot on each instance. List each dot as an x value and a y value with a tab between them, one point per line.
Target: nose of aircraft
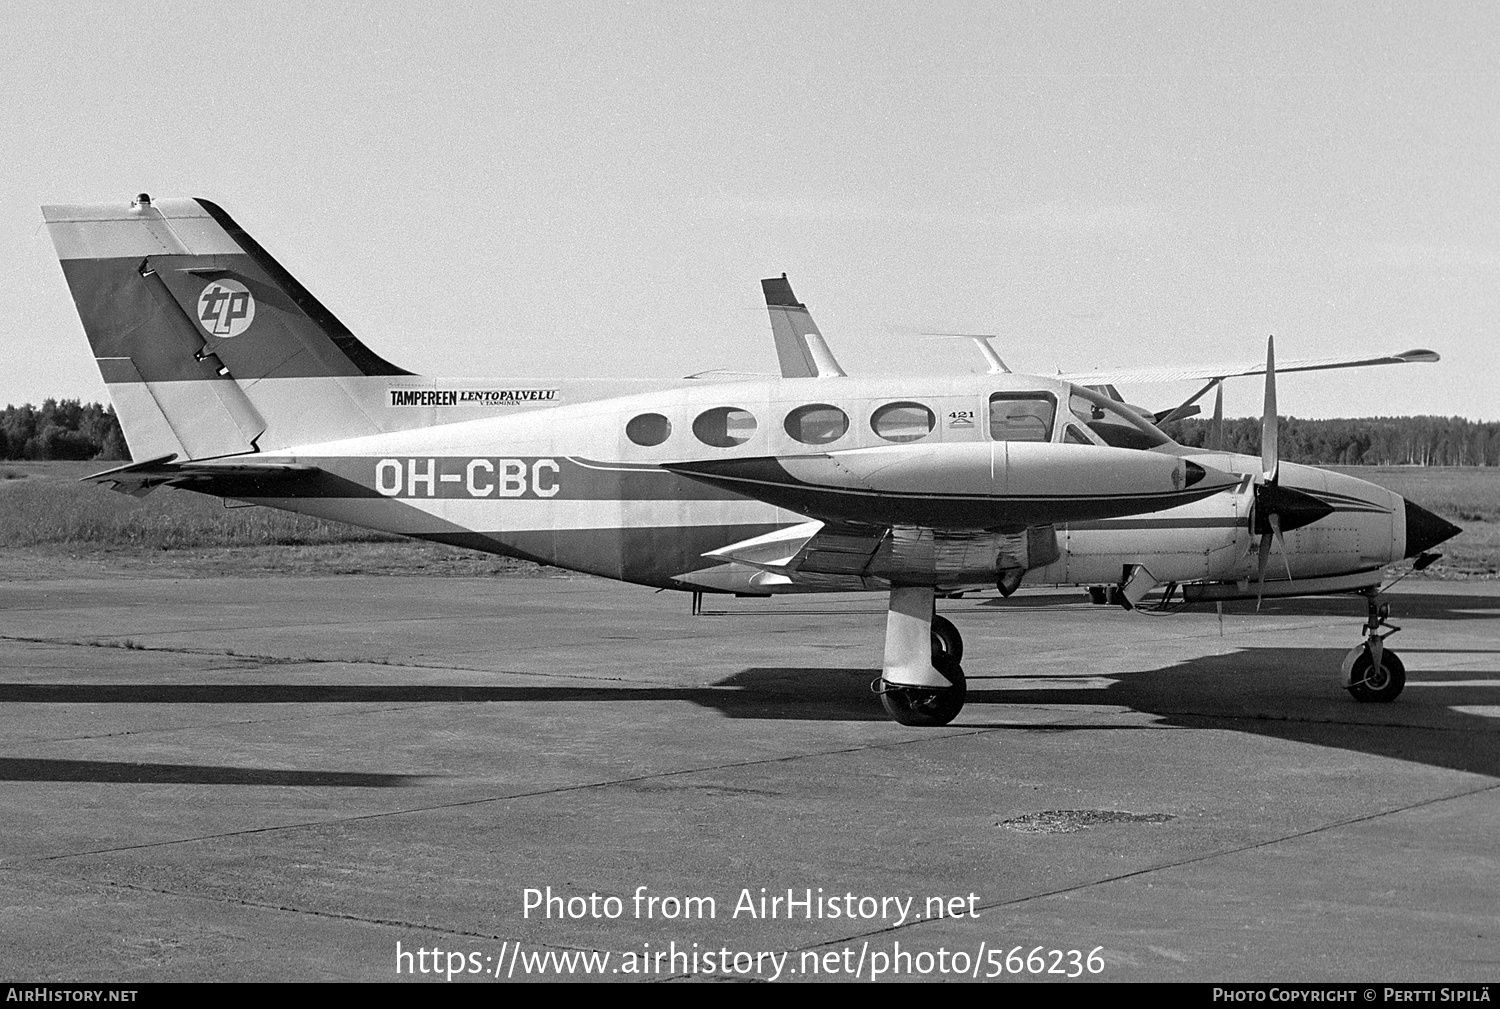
1425	530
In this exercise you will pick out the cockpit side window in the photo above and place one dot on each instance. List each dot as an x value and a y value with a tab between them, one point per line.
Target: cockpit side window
1022	416
1075	436
1115	423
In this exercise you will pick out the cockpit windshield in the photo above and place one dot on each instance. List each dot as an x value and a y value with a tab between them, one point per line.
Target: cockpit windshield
1114	423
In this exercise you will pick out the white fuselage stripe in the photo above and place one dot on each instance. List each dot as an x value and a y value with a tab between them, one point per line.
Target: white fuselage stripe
521	515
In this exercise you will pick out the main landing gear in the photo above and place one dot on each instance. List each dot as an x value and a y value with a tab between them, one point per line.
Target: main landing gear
1372	672
946	640
922	682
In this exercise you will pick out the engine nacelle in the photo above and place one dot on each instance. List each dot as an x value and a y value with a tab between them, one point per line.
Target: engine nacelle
966	485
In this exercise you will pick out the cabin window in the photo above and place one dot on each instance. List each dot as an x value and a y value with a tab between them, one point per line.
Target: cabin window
648	429
1077	437
903	421
724	427
817	424
1024	416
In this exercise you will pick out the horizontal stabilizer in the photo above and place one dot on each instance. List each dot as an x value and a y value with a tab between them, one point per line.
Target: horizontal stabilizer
140	478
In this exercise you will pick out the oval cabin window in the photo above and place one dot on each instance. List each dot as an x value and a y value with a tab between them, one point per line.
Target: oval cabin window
648	429
724	427
903	421
817	424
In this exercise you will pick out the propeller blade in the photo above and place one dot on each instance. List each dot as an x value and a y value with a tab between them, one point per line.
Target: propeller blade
1269	460
1216	428
1281	543
1260	577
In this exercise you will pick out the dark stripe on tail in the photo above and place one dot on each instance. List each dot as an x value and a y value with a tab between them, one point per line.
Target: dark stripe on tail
362	357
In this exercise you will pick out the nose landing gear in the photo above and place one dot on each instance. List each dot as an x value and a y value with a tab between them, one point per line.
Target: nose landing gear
1369	681
1373	672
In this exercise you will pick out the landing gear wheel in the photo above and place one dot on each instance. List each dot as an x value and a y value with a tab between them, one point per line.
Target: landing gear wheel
946	640
1384	684
926	707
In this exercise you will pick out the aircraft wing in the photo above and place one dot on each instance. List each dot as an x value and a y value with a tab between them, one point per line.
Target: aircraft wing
248	479
1210	373
839	556
841	549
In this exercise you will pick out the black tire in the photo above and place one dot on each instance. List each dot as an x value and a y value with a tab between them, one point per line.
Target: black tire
946	640
1383	685
926	707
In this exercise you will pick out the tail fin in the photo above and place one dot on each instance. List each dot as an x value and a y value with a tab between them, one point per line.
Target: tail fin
208	346
799	346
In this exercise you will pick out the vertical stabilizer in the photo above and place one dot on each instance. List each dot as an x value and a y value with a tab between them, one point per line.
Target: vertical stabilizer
799	345
208	346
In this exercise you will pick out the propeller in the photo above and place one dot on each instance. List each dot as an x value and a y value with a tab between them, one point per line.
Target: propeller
1275	508
1216	428
1263	513
1269	463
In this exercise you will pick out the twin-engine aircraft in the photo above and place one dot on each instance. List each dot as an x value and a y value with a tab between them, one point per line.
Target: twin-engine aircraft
230	379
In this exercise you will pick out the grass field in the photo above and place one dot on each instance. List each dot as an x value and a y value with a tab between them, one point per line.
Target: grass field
45	511
1467	496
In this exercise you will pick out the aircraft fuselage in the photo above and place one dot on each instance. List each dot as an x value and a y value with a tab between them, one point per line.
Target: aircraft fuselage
925	479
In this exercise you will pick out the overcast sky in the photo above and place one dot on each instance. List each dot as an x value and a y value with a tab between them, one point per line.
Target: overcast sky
593	189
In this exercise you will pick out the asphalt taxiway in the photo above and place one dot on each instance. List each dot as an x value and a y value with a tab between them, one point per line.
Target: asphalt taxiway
283	778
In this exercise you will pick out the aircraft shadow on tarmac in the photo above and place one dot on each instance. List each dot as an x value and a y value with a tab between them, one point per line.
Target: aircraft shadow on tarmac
126	772
1285	693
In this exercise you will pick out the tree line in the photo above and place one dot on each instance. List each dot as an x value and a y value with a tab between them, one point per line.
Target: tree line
69	429
61	429
1372	441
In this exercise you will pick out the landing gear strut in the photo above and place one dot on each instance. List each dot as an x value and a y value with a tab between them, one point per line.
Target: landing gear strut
1373	672
922	682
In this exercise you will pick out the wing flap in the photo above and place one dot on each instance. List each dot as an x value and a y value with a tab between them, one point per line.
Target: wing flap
809	548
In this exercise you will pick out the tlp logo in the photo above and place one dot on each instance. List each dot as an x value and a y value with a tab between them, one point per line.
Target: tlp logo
226	308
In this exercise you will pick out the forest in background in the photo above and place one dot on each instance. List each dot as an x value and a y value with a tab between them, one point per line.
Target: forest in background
1371	441
69	430
61	429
